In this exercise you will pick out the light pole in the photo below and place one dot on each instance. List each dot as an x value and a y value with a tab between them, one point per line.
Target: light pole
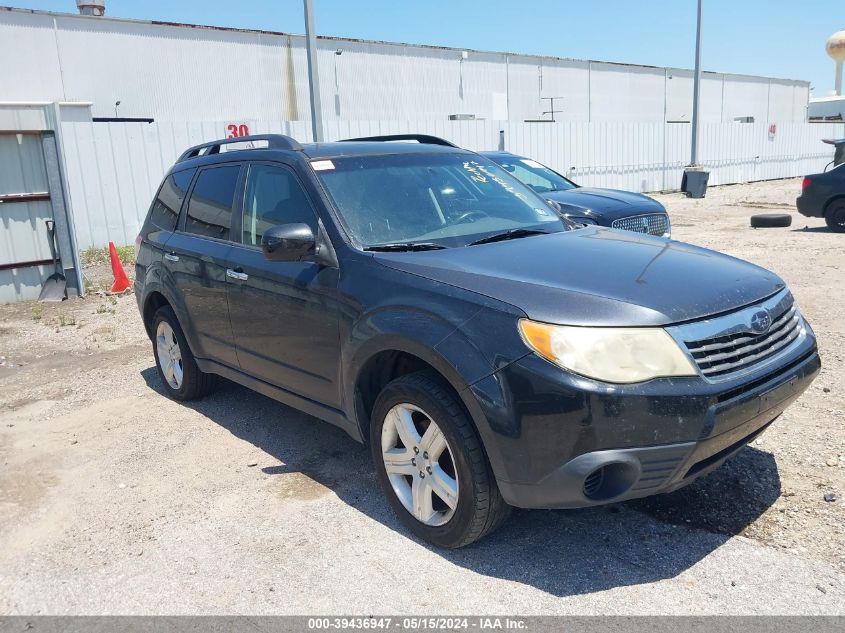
694	183
313	75
696	90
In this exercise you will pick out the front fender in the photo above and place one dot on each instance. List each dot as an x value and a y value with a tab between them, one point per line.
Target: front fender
449	349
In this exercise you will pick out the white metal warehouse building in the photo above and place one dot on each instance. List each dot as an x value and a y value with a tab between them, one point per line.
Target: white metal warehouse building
69	153
174	72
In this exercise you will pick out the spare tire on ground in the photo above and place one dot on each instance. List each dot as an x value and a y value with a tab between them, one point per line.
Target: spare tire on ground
771	220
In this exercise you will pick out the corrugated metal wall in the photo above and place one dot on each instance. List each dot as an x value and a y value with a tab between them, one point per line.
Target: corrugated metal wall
113	169
23	234
172	72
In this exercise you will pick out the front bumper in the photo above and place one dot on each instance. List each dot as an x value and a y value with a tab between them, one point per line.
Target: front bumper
580	444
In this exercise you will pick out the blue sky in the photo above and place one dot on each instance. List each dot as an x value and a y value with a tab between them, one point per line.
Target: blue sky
778	38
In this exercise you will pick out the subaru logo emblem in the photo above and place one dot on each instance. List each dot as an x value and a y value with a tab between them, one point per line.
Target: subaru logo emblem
760	321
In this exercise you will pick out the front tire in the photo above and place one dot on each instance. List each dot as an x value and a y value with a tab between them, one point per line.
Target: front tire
177	368
431	464
835	216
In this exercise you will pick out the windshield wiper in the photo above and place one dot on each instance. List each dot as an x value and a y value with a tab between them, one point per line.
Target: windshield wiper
406	246
508	235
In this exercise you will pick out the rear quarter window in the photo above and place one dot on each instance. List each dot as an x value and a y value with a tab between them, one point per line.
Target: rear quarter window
210	207
165	211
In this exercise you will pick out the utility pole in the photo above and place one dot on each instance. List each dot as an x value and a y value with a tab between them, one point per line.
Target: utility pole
313	75
696	89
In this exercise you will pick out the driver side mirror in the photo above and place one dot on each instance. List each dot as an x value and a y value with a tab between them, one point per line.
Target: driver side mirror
288	242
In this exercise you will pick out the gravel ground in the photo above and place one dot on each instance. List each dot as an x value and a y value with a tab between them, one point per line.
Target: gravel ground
114	499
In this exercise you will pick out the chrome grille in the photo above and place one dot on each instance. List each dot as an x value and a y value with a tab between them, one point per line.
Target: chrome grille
738	347
652	224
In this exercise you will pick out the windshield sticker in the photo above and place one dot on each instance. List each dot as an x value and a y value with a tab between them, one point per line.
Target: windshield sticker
532	163
322	165
474	171
479	173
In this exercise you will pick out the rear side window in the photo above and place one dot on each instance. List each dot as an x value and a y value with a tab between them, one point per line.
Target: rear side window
210	206
165	211
273	196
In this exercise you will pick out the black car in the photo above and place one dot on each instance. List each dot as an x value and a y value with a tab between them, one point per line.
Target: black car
491	352
587	205
823	196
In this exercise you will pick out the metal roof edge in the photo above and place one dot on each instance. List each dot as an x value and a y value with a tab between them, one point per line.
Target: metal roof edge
188	25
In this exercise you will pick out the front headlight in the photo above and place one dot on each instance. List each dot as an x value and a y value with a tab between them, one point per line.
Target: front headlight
618	355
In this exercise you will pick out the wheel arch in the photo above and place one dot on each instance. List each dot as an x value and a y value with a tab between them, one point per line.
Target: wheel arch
158	294
379	365
839	197
152	302
381	361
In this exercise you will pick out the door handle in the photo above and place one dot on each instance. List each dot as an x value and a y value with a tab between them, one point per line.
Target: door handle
171	257
236	274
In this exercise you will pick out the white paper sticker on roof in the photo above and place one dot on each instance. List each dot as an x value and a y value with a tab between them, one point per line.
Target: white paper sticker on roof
321	165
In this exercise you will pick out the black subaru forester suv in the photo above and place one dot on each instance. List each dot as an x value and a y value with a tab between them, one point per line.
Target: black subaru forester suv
491	353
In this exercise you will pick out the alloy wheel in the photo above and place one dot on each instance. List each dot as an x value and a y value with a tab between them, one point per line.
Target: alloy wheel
420	464
169	355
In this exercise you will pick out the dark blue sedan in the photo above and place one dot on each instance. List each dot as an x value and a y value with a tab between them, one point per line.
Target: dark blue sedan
608	207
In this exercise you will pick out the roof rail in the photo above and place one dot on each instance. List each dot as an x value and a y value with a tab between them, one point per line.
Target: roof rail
419	138
274	141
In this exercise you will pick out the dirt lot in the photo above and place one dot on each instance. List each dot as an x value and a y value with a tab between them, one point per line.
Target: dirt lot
114	499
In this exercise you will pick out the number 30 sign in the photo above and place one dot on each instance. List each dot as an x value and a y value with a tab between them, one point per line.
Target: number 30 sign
235	130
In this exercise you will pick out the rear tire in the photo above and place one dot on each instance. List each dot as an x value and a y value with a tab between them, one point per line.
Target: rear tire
835	216
771	220
448	497
176	365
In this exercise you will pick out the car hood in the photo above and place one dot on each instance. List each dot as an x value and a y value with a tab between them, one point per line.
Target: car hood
596	276
611	204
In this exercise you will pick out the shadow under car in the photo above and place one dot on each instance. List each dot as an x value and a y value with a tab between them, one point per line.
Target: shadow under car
561	552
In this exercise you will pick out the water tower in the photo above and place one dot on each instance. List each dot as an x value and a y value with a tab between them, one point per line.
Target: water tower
91	7
836	49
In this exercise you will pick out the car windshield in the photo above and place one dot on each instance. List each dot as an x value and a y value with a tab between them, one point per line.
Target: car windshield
432	200
537	176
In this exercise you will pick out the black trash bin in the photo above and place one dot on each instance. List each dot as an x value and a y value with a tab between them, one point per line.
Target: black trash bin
694	182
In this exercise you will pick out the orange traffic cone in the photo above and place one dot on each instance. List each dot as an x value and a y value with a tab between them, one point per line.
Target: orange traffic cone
121	282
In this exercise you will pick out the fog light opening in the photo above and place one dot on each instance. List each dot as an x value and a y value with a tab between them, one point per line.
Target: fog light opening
609	481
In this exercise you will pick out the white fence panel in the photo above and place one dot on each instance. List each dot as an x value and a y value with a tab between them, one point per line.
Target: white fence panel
114	169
